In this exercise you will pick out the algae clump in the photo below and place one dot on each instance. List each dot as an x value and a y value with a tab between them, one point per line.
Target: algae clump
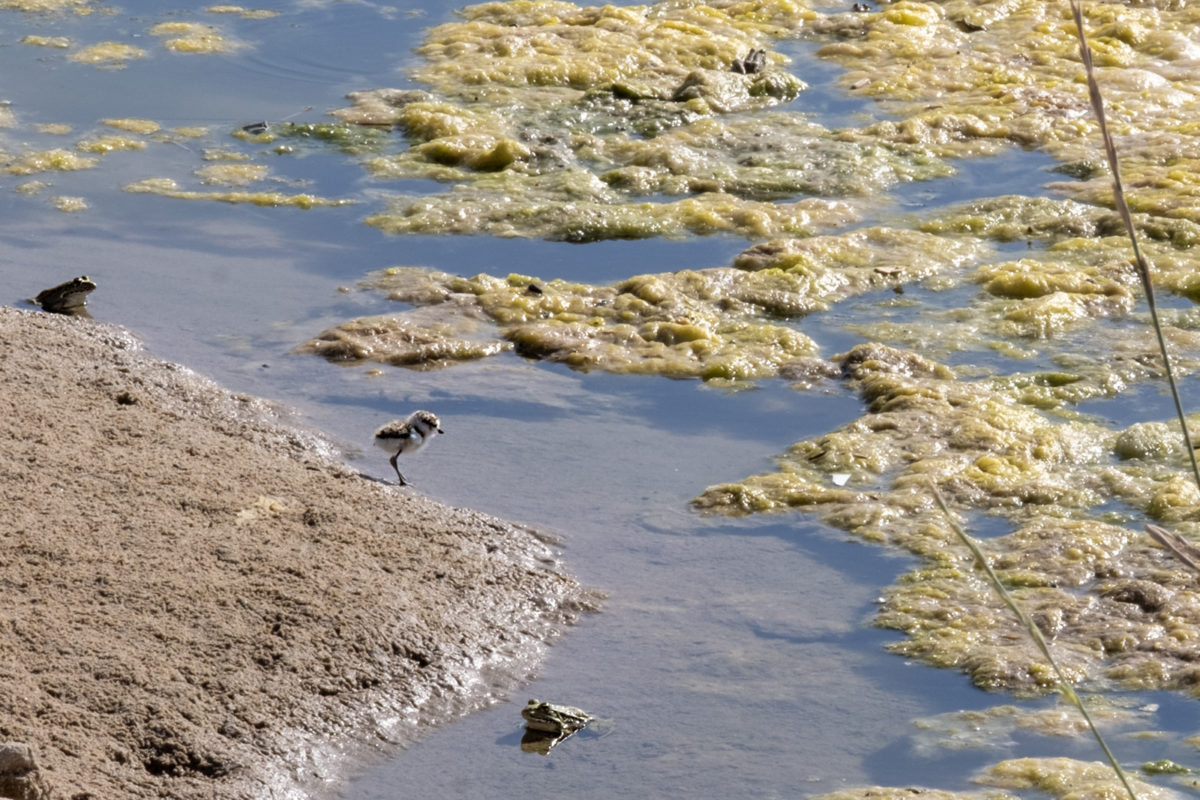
529	101
169	188
193	38
1102	592
56	160
107	54
676	325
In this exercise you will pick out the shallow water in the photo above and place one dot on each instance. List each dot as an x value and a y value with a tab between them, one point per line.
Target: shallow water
734	658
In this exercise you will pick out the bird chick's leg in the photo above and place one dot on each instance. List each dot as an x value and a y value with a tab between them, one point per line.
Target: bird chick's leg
398	475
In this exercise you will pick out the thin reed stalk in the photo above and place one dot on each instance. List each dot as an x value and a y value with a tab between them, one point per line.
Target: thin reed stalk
1143	266
1064	685
1176	545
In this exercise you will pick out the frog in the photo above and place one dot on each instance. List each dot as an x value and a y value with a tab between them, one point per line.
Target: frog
548	724
556	719
754	62
67	298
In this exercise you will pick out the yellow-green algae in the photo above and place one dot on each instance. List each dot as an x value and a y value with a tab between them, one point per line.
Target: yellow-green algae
167	187
1164	767
107	144
908	792
133	125
528	86
691	324
1011	217
45	6
1067	778
235	174
717	323
193	38
60	42
109	54
1060	778
1073	276
69	204
244	13
31	187
981	729
747	157
213	154
56	160
843	265
1065	291
545	208
1113	605
419	343
348	138
548	43
1092	358
534	100
954	82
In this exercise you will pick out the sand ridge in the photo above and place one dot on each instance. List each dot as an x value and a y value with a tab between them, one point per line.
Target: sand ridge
202	602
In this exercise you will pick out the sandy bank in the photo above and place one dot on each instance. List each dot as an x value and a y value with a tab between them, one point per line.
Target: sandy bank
200	602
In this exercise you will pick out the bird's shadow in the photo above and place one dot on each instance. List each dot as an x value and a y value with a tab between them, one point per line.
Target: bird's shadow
384	481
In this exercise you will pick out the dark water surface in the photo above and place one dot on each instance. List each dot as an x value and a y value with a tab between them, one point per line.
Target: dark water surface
734	658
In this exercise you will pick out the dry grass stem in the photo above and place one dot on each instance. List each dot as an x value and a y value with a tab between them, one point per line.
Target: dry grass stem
1035	633
1143	266
1179	547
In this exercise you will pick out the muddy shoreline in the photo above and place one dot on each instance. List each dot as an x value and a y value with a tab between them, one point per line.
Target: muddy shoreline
201	601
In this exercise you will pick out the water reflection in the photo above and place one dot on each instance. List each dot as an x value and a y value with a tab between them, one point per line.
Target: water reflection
824	98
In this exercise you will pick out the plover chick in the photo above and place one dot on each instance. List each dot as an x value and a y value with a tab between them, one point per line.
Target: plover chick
407	436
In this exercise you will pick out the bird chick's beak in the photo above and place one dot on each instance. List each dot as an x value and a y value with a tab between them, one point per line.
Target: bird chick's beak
440	430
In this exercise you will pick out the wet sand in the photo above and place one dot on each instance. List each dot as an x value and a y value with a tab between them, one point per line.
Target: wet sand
201	601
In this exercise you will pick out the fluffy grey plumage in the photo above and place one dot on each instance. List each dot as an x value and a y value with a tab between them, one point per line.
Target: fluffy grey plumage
407	436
